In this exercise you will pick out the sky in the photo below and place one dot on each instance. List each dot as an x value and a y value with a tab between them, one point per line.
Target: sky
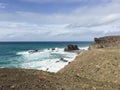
58	20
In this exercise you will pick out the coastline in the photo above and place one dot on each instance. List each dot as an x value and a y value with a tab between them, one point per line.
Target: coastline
51	65
77	52
93	69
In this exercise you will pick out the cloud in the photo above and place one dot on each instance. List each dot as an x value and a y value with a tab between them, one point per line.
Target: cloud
110	18
2	5
14	31
36	32
82	23
33	17
97	22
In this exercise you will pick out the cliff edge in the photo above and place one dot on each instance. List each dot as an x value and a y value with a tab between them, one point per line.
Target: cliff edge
104	42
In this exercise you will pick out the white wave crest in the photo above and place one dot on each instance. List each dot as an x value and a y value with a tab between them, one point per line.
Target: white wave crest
47	59
84	48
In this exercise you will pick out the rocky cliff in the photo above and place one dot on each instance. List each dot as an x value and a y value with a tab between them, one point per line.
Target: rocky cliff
107	41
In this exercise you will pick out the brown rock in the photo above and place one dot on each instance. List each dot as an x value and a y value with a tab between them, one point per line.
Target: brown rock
103	42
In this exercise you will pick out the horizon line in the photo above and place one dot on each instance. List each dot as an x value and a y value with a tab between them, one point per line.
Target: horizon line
46	41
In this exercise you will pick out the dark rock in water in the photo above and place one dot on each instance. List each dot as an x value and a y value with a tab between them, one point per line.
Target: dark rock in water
62	59
57	61
103	42
71	47
32	51
53	49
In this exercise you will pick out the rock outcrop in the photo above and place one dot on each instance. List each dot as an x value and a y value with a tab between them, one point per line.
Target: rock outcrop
71	47
32	51
103	42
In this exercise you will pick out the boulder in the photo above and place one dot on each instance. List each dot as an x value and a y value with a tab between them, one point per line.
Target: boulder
71	47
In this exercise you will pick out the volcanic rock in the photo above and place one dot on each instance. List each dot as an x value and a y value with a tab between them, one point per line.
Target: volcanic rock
71	47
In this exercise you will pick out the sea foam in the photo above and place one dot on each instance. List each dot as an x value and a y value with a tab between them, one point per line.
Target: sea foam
47	59
84	48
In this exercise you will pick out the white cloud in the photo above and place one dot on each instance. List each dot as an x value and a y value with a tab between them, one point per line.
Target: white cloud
37	32
110	18
13	31
2	5
83	23
97	22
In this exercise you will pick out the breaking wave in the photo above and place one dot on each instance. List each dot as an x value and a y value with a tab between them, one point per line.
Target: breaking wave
51	60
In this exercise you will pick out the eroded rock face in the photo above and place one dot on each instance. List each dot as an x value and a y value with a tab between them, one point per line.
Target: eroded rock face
71	47
103	42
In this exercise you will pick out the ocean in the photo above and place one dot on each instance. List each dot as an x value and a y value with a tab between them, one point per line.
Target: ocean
16	55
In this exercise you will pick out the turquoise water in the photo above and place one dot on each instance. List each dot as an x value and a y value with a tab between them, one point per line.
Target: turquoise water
15	54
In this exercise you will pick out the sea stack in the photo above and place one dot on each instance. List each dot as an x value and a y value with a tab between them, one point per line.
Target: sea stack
71	47
104	42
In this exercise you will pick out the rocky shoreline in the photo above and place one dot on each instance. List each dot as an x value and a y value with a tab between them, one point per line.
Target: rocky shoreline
95	69
91	70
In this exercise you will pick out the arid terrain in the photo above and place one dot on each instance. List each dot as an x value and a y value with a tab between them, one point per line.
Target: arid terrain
97	69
